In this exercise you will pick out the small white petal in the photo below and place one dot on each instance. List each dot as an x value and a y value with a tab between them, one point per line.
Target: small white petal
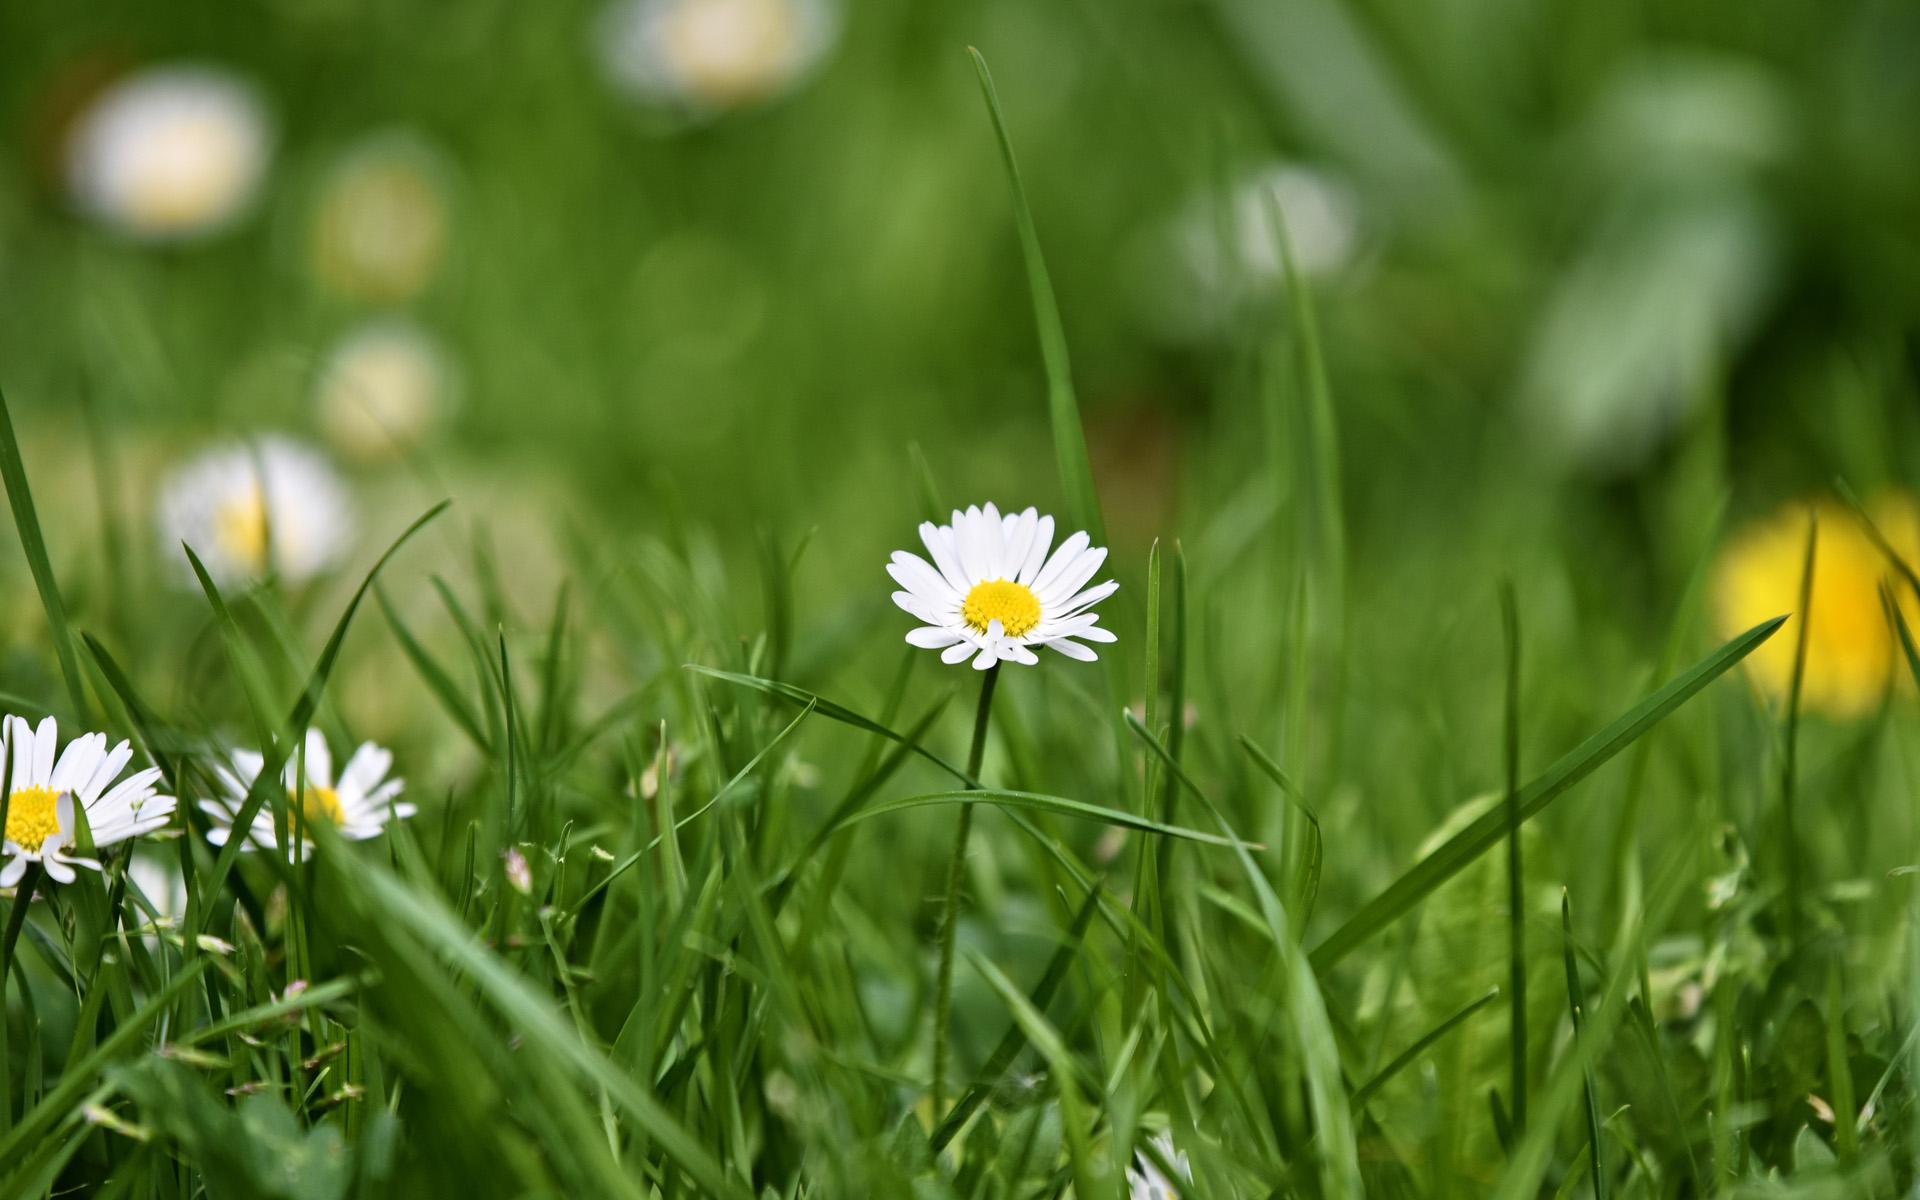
1073	650
932	637
954	653
1063	557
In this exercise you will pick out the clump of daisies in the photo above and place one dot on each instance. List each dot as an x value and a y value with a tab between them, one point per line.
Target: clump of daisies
170	154
49	790
357	803
701	57
249	509
380	220
993	593
382	389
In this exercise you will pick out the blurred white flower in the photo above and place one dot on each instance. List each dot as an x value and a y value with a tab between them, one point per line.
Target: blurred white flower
708	55
247	508
358	804
1221	255
157	875
43	784
170	154
1145	1180
380	221
382	389
993	593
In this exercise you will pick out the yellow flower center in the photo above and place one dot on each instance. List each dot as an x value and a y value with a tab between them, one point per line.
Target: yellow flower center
321	804
33	816
240	529
1012	604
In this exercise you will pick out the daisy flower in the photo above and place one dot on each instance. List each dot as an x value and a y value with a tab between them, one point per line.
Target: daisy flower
169	154
1221	256
993	593
380	220
247	509
711	55
358	804
382	389
43	785
1145	1181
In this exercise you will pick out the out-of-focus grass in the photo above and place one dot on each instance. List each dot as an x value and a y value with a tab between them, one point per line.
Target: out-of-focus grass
1550	295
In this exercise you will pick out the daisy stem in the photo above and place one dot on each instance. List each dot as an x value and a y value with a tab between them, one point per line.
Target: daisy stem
950	914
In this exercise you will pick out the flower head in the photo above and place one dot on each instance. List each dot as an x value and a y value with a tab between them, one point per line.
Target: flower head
712	55
43	784
993	593
170	154
1852	654
380	220
358	804
247	509
1145	1180
382	389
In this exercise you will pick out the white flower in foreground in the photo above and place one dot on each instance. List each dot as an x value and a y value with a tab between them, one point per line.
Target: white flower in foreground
993	593
169	154
712	54
358	804
1145	1181
382	389
248	508
43	784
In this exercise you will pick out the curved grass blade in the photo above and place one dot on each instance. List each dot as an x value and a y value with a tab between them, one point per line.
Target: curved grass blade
1401	1061
1309	886
266	785
1320	1070
1481	836
14	472
833	712
1063	411
1054	804
436	677
1577	1010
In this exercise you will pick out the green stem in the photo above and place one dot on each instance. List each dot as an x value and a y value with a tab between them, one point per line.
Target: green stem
950	913
1516	888
16	920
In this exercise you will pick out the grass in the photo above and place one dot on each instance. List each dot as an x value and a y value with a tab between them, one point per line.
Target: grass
714	892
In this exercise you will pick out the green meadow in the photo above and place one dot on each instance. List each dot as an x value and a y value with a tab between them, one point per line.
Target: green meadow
783	600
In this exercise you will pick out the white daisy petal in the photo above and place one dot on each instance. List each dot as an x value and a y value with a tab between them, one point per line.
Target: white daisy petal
954	653
1037	552
45	739
364	771
932	637
1073	650
1070	580
1063	557
911	572
11	873
1086	599
939	543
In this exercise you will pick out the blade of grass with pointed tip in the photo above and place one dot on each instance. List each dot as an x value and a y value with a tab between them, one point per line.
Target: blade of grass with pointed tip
1576	1008
1402	1060
14	472
266	784
433	675
1479	837
1305	1005
1063	410
1059	805
832	711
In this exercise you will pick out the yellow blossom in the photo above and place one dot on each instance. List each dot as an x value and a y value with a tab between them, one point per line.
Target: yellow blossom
1852	653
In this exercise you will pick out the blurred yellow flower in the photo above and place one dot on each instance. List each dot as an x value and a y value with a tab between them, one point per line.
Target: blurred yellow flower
381	391
1852	653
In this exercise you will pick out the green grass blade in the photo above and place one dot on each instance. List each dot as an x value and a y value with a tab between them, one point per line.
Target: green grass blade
1411	1054
1063	410
1479	837
14	472
1059	805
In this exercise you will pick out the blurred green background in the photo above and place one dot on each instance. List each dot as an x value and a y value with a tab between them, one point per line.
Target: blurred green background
1582	275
